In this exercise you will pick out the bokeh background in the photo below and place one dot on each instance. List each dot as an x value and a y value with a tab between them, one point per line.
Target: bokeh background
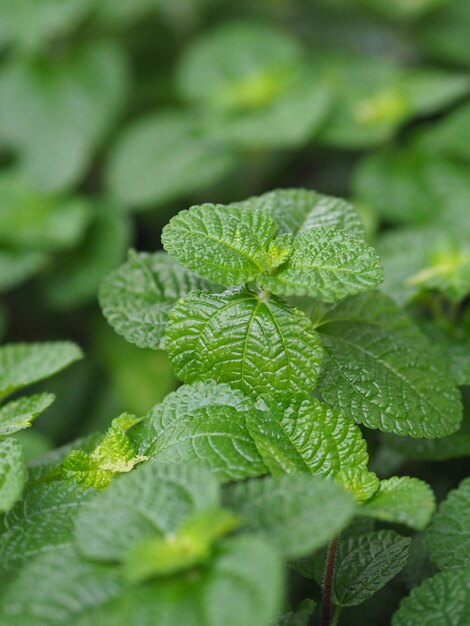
116	114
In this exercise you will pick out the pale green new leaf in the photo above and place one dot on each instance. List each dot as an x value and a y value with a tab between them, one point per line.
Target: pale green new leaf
300	434
402	500
205	424
188	547
448	536
115	454
255	343
19	414
327	264
151	501
367	562
223	244
22	364
298	514
298	210
137	297
163	157
381	372
41	521
443	600
12	473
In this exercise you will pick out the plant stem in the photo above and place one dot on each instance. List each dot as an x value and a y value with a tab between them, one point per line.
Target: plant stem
328	584
336	616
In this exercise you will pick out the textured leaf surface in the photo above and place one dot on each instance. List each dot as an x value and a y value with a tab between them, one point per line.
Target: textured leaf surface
326	264
299	434
228	246
367	562
243	583
19	414
298	514
164	157
22	364
380	371
137	297
115	454
204	423
298	210
152	500
402	500
255	344
443	600
448	536
41	521
12	473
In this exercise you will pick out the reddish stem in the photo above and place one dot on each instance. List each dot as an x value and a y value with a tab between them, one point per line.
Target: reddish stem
328	583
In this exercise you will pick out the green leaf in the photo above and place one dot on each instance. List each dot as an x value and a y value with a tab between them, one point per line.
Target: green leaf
67	103
191	546
300	434
76	277
255	343
298	514
300	617
242	583
453	343
19	414
410	185
381	372
299	210
41	521
115	454
212	72
327	264
402	500
367	562
223	244
205	424
31	24
449	135
12	473
22	364
442	600
152	501
137	297
447	538
164	157
34	220
444	35
17	266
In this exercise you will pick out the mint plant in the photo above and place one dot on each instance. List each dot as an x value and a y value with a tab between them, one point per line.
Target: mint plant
270	312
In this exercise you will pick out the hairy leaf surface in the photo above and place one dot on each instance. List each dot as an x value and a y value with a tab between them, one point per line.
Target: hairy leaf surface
19	414
327	264
205	424
257	344
380	371
223	244
402	500
300	434
12	473
137	297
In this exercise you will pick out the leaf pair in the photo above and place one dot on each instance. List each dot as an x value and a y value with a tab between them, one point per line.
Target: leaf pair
234	245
